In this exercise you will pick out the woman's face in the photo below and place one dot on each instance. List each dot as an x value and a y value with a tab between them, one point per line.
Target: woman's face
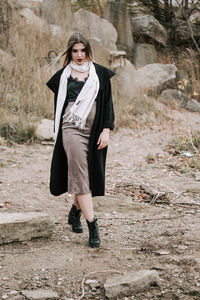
78	53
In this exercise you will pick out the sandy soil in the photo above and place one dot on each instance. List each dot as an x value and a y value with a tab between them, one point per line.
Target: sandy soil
149	218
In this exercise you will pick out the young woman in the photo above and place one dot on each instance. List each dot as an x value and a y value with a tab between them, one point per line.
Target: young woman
84	116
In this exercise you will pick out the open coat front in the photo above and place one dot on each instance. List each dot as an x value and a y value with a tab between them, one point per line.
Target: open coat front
104	118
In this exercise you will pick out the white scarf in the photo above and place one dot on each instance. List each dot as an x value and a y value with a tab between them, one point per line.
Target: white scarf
81	108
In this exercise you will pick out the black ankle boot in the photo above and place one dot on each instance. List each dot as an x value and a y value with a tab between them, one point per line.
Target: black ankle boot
74	219
94	238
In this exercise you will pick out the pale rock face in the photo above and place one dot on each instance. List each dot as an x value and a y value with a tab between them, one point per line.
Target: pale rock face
154	75
179	99
58	12
145	54
32	19
94	27
101	54
117	13
128	82
149	26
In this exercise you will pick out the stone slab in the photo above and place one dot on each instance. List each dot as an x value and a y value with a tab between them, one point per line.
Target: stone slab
17	227
40	294
130	283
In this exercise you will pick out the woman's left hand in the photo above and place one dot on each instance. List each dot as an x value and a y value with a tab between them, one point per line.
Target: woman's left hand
103	140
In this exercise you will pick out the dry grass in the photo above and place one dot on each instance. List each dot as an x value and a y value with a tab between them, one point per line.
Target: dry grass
23	92
139	111
188	61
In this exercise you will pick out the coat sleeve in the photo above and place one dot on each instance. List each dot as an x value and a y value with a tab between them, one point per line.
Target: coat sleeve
54	81
109	116
53	84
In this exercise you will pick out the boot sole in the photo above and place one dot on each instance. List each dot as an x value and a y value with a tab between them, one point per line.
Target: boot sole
77	230
94	245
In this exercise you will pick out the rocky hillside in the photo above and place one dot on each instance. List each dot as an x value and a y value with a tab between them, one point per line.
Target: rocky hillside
126	38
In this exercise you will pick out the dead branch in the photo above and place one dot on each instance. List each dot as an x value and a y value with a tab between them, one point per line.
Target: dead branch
93	273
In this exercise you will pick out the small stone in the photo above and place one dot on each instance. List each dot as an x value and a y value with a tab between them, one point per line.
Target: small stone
13	293
40	294
130	283
197	176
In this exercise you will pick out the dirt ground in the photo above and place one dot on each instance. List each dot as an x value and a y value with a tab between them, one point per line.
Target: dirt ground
149	218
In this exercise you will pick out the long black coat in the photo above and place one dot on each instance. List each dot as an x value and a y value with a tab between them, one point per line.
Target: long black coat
104	118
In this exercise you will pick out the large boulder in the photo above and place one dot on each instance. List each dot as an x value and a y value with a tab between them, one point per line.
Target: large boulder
173	97
145	54
128	82
154	76
117	13
100	53
123	82
148	26
182	32
31	19
94	27
176	99
193	105
35	6
58	12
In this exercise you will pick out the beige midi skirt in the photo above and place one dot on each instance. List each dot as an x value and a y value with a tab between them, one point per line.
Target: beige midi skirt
75	143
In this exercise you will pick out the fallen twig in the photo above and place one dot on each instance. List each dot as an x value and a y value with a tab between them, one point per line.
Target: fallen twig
92	273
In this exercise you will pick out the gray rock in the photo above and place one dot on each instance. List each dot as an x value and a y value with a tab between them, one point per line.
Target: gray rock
148	26
16	227
95	27
173	97
40	294
117	13
194	17
44	130
182	31
18	297
32	19
145	54
92	283
179	99
58	13
193	105
130	283
57	31
35	6
154	75
128	82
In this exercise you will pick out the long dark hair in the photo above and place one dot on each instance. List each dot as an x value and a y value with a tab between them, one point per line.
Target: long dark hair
74	39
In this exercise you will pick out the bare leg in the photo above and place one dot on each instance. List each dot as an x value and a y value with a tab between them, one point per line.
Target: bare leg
76	203
86	205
